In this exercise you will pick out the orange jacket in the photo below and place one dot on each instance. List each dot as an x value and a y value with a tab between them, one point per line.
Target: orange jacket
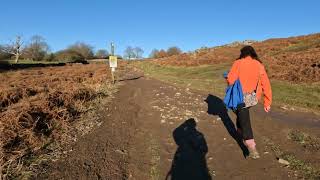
249	71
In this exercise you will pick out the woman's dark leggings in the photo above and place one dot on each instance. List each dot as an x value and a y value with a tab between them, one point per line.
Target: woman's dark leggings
243	123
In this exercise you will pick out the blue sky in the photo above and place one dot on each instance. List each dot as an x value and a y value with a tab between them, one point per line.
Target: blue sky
156	24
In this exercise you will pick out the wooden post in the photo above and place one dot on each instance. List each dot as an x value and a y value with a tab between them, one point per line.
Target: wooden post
112	74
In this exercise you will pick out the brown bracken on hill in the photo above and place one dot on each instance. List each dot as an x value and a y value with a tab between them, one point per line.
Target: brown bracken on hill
295	59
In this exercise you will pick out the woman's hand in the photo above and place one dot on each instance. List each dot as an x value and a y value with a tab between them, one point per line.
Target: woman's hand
267	109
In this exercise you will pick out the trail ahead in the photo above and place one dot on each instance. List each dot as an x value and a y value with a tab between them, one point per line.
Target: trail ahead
136	139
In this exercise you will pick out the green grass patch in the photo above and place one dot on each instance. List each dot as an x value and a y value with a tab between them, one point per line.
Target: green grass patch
205	77
303	45
305	96
306	170
305	140
210	78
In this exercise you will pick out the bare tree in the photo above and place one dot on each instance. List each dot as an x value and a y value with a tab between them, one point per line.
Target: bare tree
173	51
84	49
129	53
133	53
162	53
102	54
15	48
138	52
37	49
154	53
68	55
3	54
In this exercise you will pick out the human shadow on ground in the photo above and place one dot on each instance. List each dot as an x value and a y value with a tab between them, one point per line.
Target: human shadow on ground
189	160
217	107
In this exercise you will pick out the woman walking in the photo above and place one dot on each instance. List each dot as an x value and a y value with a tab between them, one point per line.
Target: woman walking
254	81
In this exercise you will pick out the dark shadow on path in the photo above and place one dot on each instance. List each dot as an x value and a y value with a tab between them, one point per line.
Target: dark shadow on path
7	67
129	79
217	107
189	161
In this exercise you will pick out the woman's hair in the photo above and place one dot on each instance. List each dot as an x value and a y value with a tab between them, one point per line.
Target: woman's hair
249	51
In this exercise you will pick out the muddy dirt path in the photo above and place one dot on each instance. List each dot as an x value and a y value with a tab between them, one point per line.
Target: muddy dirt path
136	139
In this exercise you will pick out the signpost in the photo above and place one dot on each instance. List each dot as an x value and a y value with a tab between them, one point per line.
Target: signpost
113	63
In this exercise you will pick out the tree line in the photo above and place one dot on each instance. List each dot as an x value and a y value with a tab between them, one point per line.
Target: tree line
171	51
37	49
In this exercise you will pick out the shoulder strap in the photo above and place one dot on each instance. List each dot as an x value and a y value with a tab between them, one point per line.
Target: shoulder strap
259	77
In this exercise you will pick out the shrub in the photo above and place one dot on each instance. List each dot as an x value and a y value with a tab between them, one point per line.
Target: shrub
68	55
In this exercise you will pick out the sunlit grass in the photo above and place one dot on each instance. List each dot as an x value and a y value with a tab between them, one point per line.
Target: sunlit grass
210	78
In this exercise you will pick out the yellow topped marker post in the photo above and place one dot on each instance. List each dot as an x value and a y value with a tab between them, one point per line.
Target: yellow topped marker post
113	63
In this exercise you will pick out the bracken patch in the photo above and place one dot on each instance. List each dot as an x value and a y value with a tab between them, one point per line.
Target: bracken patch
38	105
294	59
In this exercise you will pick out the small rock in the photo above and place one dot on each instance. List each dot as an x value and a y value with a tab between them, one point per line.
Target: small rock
188	113
123	152
282	161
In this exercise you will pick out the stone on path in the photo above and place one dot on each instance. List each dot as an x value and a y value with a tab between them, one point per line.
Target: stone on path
282	161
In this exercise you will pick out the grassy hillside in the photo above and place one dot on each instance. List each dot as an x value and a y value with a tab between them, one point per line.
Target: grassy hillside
294	59
305	96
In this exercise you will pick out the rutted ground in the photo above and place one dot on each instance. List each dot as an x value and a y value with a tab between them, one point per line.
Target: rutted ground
135	141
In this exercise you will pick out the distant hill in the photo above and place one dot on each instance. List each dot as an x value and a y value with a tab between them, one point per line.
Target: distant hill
294	59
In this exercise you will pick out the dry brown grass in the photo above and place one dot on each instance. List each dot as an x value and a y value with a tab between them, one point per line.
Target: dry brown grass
37	105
